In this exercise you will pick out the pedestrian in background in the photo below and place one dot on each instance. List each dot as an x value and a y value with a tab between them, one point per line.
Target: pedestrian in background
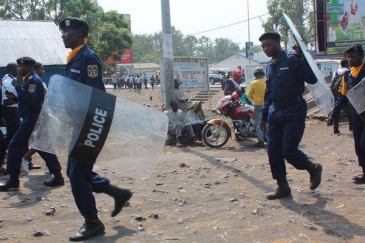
256	92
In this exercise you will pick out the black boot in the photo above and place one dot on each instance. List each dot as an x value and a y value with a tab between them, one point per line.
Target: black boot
56	181
121	196
11	183
315	172
361	178
282	191
92	227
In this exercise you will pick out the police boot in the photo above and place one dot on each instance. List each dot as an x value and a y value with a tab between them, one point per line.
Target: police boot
121	196
92	227
11	183
361	178
56	181
282	191
315	172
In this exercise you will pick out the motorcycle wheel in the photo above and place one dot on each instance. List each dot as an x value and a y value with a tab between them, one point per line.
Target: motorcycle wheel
215	139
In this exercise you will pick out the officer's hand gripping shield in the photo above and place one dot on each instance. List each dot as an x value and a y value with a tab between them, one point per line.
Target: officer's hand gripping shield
356	96
84	123
320	91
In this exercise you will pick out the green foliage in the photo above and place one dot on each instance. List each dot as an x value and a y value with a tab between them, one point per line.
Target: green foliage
148	48
300	12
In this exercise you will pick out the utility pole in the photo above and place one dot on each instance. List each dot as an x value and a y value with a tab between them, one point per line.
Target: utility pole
167	56
248	23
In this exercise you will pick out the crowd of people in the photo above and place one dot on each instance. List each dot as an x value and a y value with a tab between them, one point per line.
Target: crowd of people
136	81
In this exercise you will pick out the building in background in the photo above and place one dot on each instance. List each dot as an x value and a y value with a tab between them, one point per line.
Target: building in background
40	40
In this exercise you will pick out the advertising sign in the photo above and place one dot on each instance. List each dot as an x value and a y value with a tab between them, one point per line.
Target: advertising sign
192	72
345	22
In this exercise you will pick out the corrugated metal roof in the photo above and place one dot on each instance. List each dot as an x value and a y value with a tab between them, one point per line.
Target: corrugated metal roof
40	40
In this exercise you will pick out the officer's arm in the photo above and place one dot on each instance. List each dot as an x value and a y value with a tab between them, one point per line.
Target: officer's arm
93	76
28	94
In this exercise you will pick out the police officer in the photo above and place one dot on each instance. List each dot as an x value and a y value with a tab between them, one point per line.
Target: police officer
84	66
284	113
10	105
355	55
30	97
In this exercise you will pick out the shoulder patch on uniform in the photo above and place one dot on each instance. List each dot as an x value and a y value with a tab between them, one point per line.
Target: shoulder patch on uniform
30	77
31	88
92	71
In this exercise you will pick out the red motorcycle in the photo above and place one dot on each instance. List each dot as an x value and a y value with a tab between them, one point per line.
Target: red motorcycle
217	132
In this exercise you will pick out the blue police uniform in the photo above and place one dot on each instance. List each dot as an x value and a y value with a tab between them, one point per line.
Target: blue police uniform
358	125
31	98
285	111
85	67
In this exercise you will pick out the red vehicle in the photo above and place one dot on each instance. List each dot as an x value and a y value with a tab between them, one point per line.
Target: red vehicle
217	132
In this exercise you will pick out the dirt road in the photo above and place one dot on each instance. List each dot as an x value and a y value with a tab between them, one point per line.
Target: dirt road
199	194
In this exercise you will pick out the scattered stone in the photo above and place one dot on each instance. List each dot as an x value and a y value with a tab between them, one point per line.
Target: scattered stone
257	212
159	183
139	218
215	228
232	199
140	227
38	234
162	191
29	219
180	187
50	212
311	227
182	165
153	216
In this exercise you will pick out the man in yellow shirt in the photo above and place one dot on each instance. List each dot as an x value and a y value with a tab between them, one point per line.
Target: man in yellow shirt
256	92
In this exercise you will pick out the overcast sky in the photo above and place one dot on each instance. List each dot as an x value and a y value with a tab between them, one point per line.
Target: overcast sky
195	16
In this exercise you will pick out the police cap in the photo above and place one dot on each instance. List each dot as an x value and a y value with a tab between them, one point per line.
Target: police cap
271	35
75	23
25	61
355	48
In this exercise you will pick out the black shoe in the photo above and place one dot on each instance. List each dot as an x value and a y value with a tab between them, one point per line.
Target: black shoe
359	179
3	171
10	185
87	232
120	200
259	144
315	176
56	181
336	131
281	192
32	166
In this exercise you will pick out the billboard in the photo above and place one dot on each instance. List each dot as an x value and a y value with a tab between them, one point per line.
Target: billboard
345	24
192	72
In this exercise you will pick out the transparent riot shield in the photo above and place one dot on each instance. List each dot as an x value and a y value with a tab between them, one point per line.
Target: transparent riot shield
356	96
320	90
84	123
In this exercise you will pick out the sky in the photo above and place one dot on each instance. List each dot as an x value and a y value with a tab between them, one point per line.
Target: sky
193	17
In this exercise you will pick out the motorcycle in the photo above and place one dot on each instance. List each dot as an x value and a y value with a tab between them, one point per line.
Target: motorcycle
216	132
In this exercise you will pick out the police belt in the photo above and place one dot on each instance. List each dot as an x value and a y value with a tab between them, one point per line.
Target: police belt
285	104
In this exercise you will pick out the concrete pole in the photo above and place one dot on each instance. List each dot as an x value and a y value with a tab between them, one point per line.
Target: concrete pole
167	56
248	25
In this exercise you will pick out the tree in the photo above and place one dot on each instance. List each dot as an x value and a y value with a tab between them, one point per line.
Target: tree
300	11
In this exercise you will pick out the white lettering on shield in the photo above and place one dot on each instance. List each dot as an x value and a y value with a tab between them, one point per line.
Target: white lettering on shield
97	128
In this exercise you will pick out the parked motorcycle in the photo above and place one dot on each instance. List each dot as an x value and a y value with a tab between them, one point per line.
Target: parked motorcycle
217	131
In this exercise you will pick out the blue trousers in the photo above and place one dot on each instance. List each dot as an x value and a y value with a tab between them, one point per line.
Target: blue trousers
12	119
83	183
283	141
358	128
2	148
18	146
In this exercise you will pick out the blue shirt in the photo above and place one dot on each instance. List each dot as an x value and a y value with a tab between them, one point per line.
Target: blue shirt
30	96
86	68
284	83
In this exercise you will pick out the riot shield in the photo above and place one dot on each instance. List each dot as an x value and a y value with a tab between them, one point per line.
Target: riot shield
356	96
320	90
84	123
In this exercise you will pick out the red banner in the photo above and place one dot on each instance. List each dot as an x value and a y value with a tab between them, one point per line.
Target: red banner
126	58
